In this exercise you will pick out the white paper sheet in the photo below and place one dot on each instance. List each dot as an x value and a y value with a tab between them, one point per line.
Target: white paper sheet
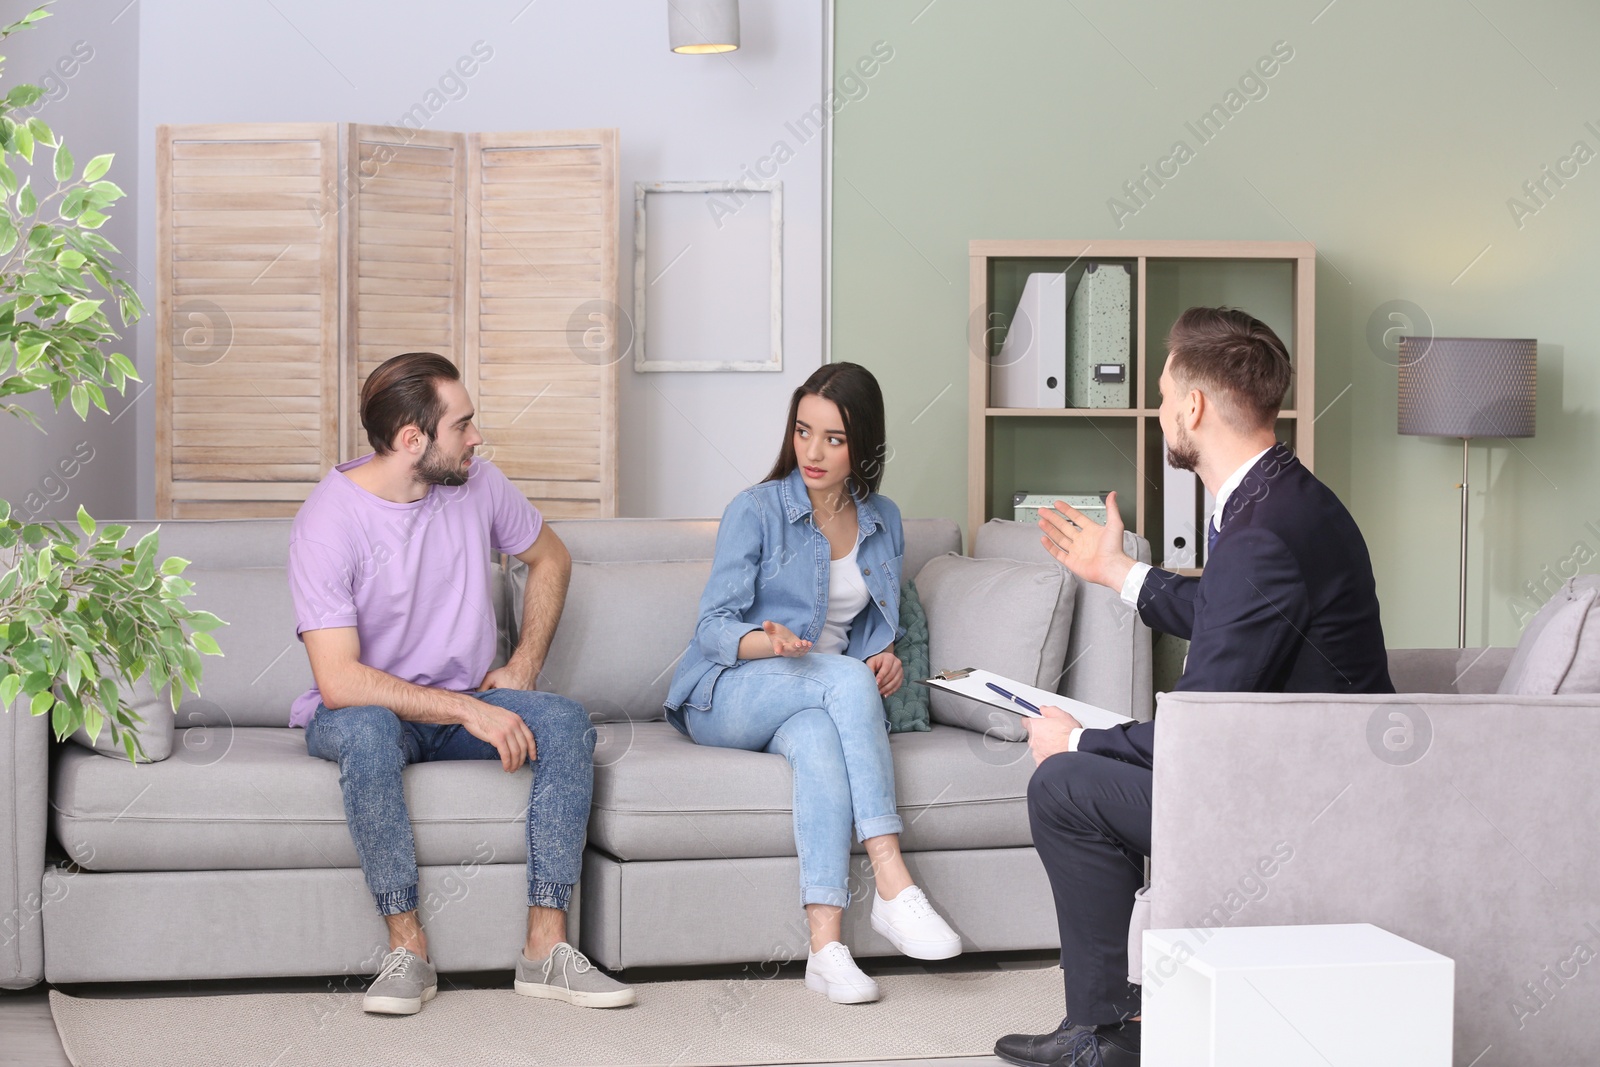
975	687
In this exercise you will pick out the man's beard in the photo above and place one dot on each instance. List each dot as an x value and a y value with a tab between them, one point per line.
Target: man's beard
434	469
1183	455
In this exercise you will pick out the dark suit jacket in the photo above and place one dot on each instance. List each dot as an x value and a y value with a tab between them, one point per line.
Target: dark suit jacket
1286	604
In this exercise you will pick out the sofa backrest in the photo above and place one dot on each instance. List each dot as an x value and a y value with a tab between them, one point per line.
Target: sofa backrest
634	600
239	570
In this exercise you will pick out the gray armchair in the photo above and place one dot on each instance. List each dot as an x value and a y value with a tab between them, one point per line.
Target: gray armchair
1448	814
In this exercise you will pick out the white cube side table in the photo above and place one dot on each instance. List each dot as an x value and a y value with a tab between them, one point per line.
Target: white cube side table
1286	996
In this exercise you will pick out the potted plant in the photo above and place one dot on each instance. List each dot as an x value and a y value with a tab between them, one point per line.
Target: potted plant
82	616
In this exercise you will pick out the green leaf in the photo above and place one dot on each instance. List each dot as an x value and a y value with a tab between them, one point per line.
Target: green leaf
92	721
96	168
8	234
9	687
8	179
173	565
5	510
85	522
27	203
42	702
203	621
41	133
80	401
93	220
71	260
82	309
124	364
22	96
23	140
206	643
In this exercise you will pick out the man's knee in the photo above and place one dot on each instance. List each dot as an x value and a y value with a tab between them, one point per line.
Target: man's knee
363	731
558	720
1050	790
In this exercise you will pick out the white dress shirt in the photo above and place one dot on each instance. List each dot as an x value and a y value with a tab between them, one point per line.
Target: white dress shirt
1134	582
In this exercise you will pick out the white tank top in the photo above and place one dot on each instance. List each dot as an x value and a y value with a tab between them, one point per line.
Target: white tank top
847	595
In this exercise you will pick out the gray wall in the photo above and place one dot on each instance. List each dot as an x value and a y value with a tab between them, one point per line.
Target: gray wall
87	58
689	441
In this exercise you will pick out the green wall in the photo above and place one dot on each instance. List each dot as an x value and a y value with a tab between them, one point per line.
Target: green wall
1393	138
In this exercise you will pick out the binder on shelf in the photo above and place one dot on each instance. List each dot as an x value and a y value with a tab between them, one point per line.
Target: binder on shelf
1099	344
1180	517
1030	370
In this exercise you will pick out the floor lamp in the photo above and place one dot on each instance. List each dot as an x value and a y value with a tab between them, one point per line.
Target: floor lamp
1466	387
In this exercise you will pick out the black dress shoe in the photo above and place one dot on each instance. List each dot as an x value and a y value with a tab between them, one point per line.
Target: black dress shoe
1107	1046
1041	1050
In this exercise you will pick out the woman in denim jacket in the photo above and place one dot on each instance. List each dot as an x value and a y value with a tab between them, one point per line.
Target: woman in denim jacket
794	652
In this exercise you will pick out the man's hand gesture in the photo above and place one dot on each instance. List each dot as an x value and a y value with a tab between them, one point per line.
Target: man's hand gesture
1087	549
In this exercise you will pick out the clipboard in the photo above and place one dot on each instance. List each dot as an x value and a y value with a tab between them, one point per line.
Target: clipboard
973	683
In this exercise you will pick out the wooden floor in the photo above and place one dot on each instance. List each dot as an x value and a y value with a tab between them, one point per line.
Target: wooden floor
28	1034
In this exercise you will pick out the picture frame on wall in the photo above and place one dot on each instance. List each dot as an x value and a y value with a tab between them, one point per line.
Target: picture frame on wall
708	276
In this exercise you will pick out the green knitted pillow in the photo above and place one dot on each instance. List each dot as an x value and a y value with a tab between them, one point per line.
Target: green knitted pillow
907	708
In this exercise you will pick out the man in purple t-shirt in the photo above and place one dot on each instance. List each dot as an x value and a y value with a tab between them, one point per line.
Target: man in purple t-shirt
389	564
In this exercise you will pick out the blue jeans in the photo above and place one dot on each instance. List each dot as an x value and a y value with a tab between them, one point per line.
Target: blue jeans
823	714
372	746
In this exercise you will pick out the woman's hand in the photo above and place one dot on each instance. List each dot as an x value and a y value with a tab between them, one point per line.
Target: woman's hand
890	672
784	642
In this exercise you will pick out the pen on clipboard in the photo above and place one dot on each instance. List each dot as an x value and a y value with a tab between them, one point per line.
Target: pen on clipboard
1012	697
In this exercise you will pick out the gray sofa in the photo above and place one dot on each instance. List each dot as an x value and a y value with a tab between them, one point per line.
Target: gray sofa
231	858
1460	819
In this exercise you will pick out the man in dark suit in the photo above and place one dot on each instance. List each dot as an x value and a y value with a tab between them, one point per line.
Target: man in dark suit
1287	604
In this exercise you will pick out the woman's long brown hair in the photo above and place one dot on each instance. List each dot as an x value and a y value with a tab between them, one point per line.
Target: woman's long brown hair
855	392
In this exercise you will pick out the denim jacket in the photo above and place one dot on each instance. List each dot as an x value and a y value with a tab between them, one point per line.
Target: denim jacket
772	563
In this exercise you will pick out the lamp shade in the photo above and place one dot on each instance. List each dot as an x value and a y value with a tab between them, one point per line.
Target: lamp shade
698	27
1467	386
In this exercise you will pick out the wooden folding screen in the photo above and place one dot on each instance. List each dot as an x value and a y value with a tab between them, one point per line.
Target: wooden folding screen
405	234
293	259
247	305
541	289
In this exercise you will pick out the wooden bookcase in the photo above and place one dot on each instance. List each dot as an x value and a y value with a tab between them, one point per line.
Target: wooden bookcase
1050	450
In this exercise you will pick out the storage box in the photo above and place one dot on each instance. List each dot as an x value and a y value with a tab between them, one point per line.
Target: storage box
1026	506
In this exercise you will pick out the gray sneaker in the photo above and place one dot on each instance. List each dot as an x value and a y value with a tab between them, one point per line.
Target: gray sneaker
403	984
568	975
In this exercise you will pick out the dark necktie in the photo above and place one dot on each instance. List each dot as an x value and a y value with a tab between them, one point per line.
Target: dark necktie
1212	533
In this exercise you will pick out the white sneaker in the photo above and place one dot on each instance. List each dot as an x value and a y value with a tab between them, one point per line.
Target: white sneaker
913	927
833	972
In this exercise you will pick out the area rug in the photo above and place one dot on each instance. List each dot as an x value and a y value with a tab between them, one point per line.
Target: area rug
746	1020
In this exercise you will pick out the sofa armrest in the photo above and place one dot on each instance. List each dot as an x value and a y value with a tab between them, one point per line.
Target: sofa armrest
1457	822
1448	670
24	805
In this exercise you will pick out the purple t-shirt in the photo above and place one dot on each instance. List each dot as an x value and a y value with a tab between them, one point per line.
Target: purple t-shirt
413	579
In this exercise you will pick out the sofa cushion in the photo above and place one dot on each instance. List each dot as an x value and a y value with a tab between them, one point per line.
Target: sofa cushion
154	731
907	707
1001	615
660	796
252	797
1560	650
1109	647
622	631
